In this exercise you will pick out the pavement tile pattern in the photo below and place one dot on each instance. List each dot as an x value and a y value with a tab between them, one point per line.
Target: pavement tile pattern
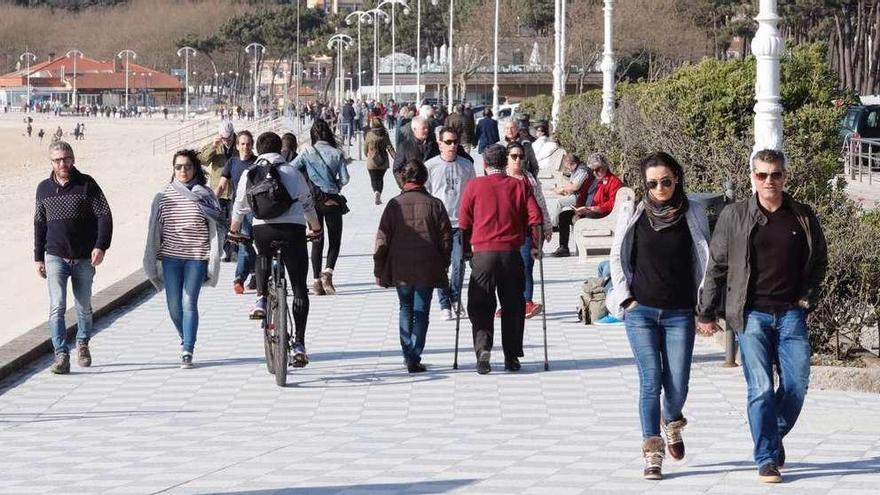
354	422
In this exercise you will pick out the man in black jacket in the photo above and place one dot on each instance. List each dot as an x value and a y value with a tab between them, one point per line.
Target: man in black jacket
72	230
421	146
767	258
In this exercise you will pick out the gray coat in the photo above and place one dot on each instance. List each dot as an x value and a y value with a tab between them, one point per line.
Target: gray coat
730	262
622	246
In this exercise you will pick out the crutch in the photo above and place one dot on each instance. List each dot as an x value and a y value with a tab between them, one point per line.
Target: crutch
458	308
543	300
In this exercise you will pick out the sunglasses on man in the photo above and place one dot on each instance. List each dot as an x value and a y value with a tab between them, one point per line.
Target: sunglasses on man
449	142
762	176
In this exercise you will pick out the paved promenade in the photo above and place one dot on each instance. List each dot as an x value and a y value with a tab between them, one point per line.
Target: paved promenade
355	422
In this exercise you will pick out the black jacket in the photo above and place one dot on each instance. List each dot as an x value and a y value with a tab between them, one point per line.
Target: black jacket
72	219
424	151
729	265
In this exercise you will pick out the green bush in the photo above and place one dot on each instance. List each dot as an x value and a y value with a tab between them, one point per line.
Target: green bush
538	107
704	116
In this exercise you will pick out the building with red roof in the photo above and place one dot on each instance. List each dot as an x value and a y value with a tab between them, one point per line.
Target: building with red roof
96	82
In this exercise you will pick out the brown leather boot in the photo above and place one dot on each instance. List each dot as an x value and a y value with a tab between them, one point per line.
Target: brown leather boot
327	283
652	450
674	442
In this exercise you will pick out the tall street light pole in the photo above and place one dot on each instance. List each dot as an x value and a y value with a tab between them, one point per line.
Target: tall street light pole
451	88
297	65
28	57
393	3
75	54
258	49
128	54
376	13
495	67
339	41
185	52
767	46
358	16
609	67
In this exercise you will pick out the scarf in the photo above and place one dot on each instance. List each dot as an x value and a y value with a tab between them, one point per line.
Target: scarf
204	198
667	214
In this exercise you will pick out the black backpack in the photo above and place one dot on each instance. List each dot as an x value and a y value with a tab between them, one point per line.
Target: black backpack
265	194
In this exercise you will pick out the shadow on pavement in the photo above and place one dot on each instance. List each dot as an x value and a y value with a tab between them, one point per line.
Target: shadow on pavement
42	417
420	487
794	471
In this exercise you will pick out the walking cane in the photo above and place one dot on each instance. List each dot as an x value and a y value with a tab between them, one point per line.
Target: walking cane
458	309
543	301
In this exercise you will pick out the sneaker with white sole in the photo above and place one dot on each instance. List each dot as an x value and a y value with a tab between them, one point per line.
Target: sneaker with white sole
186	360
607	320
300	358
447	314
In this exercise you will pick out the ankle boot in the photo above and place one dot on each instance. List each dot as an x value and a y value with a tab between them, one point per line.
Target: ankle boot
652	450
674	442
327	283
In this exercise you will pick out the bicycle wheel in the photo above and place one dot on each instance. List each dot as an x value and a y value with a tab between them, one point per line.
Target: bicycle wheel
269	335
282	334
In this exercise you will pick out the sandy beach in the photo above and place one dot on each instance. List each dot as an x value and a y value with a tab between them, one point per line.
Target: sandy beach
118	154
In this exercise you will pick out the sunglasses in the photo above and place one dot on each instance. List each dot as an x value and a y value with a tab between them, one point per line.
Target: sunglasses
183	166
665	182
59	161
515	156
762	176
449	142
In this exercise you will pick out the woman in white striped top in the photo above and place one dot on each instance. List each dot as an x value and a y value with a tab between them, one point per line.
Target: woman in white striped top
184	245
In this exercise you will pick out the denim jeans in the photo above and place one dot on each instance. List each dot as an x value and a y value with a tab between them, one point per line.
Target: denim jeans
529	263
246	254
662	342
449	297
780	339
183	282
81	274
415	307
604	270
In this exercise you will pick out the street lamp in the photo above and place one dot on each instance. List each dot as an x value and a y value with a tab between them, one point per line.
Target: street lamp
767	46
449	52
75	54
495	67
376	13
28	57
609	67
360	16
258	48
185	52
339	41
393	3
129	54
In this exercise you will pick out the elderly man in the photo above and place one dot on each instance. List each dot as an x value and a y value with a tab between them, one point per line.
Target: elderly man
578	175
511	130
214	156
419	147
767	260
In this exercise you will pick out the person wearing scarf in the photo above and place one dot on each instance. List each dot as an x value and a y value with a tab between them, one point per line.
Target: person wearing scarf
413	252
658	260
184	245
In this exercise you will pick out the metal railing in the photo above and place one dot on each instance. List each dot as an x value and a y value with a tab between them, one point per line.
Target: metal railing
190	133
861	159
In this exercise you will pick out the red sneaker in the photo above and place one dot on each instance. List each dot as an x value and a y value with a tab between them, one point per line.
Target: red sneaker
238	287
533	309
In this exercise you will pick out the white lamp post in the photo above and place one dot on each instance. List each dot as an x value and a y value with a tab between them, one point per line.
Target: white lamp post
258	49
767	46
358	16
339	41
609	67
74	54
375	14
185	52
28	57
495	68
393	41
128	54
419	53
449	52
559	61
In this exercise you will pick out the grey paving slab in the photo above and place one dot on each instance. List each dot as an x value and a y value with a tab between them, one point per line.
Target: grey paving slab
355	422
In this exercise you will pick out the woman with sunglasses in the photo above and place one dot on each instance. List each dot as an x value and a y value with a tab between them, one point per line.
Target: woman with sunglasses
515	161
184	244
658	261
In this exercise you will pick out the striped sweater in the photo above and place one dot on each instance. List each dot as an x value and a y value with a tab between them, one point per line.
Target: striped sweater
184	229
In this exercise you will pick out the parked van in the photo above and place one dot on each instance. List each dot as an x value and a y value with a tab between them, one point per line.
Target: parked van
862	121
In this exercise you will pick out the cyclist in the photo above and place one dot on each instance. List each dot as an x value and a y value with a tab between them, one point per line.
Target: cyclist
289	227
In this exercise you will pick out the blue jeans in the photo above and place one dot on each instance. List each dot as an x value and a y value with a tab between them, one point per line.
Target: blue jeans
183	282
604	270
449	297
415	307
529	263
246	254
778	338
81	274
662	342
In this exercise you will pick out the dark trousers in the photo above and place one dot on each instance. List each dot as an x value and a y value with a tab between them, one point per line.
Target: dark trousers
295	257
331	223
501	272
228	247
565	218
377	179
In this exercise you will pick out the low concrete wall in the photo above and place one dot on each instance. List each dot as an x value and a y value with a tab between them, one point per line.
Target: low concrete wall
37	342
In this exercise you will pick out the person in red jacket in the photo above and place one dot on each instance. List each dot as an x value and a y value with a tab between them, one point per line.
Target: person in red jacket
595	198
496	213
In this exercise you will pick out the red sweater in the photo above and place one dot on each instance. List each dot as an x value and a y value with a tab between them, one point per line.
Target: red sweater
605	193
498	211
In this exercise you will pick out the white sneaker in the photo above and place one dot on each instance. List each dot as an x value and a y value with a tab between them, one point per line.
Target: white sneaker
447	314
463	313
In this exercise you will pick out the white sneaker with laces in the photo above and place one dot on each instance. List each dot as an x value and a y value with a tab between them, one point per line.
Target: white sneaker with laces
447	314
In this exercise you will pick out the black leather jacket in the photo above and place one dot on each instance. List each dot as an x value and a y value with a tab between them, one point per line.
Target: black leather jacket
729	266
